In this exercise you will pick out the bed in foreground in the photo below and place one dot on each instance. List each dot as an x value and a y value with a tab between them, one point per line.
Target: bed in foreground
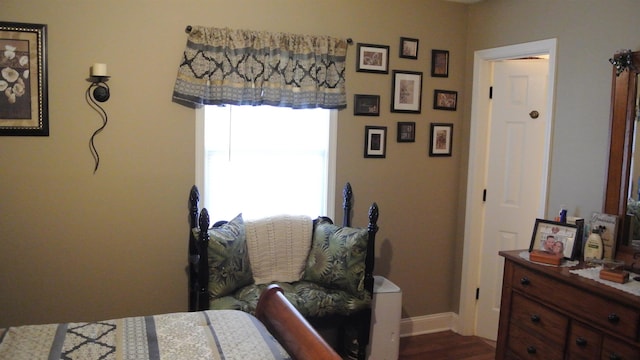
276	332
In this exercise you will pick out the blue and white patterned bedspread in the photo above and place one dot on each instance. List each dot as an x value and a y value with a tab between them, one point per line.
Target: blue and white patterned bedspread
213	334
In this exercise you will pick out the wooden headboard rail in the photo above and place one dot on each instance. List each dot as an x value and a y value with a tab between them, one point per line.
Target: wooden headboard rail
290	328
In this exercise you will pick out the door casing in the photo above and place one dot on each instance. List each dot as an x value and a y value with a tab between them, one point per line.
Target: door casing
478	145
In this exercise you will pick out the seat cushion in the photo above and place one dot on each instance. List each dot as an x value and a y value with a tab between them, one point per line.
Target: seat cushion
311	300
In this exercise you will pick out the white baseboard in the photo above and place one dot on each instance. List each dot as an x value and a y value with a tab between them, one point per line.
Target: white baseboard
428	324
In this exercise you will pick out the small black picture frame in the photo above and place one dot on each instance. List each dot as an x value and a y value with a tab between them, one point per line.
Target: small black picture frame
439	63
441	140
373	58
406	96
445	100
406	131
366	105
375	141
557	237
409	48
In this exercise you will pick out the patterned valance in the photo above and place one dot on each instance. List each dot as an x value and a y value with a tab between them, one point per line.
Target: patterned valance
240	67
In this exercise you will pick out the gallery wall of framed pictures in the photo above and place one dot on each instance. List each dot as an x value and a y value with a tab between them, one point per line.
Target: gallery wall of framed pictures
407	82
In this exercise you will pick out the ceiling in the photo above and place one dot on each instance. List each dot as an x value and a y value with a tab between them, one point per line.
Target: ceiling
465	1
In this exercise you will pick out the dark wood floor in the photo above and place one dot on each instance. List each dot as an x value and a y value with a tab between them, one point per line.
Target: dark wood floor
446	345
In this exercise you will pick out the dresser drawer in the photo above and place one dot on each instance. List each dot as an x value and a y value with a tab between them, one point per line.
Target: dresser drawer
617	350
584	342
592	309
525	344
535	317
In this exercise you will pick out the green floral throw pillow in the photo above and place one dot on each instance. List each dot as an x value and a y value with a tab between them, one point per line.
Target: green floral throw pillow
229	267
337	256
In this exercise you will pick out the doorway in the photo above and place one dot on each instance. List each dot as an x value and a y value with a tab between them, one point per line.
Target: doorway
476	212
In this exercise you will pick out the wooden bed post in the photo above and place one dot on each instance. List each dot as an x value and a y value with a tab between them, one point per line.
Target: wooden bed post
372	229
203	263
364	332
194	197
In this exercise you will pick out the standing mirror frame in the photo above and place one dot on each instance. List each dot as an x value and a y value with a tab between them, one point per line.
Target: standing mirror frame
623	118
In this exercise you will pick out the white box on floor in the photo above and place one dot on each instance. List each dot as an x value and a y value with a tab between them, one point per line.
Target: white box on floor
384	343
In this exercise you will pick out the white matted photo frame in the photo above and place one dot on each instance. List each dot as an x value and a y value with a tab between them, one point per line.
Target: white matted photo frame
375	141
373	58
406	94
441	139
408	48
557	238
24	109
439	63
406	131
366	105
445	100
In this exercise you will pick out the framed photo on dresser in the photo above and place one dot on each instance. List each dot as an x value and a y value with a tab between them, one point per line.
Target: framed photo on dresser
557	238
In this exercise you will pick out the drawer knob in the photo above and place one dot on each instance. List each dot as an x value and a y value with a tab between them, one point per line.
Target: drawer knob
535	318
613	318
580	341
525	281
531	349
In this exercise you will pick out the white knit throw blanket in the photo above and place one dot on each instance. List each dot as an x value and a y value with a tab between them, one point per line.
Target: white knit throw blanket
278	247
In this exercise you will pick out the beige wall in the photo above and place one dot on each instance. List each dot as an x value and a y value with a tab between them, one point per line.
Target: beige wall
75	246
79	246
589	32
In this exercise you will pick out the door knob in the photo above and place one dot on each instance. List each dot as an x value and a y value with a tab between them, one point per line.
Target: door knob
534	114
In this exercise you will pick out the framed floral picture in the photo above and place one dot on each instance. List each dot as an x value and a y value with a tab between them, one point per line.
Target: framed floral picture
373	58
441	139
445	100
407	91
23	80
409	48
439	63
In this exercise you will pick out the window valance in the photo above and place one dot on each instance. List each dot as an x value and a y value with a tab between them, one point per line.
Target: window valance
242	67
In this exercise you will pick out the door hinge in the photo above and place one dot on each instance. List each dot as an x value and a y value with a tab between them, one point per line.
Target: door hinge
484	195
477	293
490	92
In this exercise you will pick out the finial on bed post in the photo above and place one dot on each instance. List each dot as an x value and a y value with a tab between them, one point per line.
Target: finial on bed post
347	195
203	263
372	229
194	198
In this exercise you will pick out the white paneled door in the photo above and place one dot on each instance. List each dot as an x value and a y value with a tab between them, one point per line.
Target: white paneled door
514	177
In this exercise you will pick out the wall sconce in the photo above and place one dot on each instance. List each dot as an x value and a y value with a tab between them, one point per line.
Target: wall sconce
98	91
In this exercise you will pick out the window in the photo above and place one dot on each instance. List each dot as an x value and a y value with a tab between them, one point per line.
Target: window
263	160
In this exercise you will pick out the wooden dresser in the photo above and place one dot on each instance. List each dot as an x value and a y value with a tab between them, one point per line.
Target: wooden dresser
548	313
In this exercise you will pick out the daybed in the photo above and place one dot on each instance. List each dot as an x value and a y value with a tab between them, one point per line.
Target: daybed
325	270
212	334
